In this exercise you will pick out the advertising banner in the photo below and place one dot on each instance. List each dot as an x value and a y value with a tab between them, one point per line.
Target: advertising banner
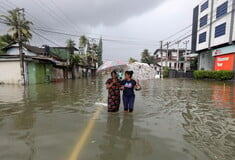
224	62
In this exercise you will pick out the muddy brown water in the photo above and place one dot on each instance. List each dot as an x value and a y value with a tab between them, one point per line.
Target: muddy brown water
174	119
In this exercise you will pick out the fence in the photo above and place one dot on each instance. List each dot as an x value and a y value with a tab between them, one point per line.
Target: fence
180	74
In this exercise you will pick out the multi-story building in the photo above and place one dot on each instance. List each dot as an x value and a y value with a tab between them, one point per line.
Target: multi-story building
213	34
173	59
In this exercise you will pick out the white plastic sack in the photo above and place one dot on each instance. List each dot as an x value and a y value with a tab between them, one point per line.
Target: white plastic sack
142	71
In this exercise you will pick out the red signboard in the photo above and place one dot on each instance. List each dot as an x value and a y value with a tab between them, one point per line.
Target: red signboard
224	62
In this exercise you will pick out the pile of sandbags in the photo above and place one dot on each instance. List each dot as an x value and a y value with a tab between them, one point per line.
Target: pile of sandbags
142	71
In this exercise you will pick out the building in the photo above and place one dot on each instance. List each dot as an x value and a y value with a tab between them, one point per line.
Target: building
173	58
38	66
213	34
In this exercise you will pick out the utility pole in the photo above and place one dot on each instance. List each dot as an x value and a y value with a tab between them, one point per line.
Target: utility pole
185	54
178	52
161	68
20	42
167	51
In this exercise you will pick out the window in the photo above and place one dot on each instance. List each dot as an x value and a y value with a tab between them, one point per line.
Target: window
202	37
203	21
220	30
222	10
204	6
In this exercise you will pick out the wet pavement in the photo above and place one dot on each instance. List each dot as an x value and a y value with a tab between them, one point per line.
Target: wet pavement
174	119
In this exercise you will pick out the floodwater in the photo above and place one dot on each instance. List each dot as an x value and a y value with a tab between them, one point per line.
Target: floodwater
174	119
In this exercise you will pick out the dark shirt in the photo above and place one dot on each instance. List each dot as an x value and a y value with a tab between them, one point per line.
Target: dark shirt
128	87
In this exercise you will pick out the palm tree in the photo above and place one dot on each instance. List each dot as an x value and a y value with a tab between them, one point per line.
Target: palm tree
19	28
94	48
71	45
83	41
100	52
17	25
145	56
73	58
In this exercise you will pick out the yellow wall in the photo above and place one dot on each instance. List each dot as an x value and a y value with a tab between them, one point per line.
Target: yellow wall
10	72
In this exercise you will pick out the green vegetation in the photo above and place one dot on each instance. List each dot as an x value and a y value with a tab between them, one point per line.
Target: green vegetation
5	40
70	44
76	59
132	60
17	25
147	58
100	52
166	71
217	75
83	41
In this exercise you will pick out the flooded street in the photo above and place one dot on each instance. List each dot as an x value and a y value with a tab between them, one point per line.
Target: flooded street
174	119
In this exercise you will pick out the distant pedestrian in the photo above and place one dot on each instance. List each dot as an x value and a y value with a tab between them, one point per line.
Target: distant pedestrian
113	85
120	74
128	86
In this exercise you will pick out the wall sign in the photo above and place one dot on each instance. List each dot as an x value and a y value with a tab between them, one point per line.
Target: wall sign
224	62
224	50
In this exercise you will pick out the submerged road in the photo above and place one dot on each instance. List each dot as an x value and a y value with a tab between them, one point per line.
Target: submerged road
174	119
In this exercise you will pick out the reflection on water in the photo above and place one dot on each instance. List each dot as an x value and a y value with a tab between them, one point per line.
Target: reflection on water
210	126
118	138
174	119
33	118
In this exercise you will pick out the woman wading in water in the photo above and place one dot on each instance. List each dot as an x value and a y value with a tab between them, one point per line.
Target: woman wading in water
128	87
113	85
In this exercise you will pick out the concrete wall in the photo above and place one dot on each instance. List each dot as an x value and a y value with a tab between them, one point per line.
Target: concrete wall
57	74
10	72
206	61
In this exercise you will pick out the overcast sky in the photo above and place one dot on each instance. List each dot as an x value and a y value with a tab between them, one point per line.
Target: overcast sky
127	26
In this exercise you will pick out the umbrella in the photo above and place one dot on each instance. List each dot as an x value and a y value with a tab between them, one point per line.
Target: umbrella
111	65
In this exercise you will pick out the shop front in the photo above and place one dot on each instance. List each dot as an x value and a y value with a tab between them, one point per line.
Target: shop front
224	58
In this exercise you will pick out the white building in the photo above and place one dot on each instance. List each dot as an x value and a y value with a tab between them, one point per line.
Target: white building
171	57
213	29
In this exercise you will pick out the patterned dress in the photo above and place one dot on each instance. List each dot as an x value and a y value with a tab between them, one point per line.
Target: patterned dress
113	96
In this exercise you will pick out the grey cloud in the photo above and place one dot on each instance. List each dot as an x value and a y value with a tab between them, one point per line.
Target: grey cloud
89	12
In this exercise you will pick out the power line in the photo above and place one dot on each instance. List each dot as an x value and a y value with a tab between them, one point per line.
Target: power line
179	40
63	13
177	32
39	26
9	4
209	17
46	38
49	12
104	39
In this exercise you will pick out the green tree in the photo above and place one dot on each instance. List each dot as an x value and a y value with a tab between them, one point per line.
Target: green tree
147	58
94	48
132	60
71	45
5	40
18	25
19	28
100	52
83	41
91	59
76	59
